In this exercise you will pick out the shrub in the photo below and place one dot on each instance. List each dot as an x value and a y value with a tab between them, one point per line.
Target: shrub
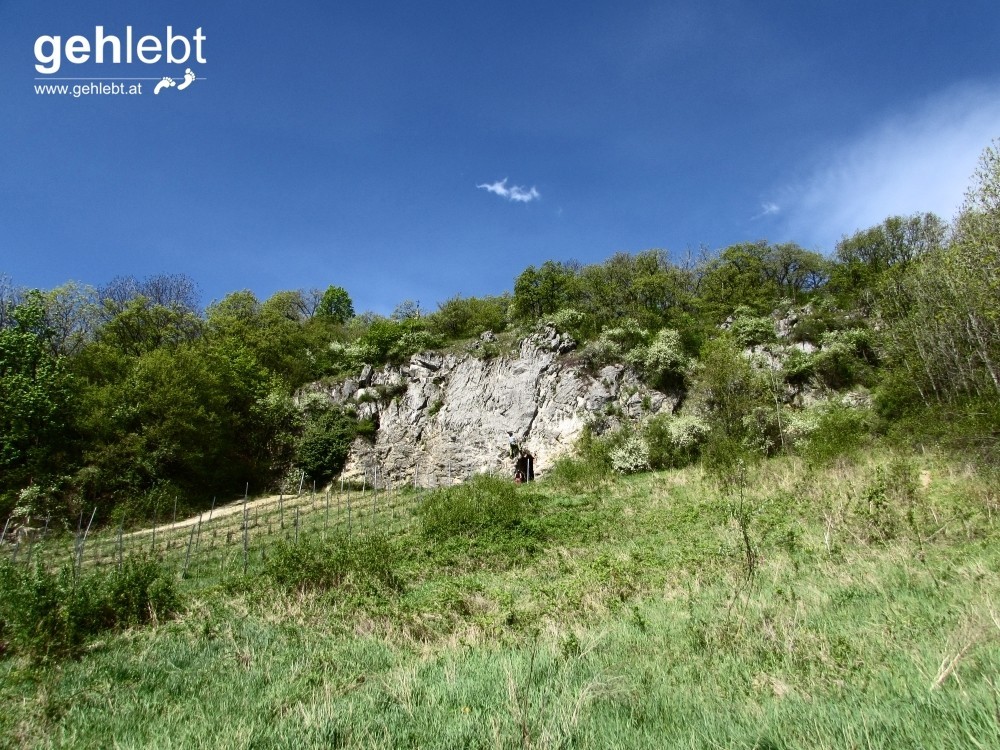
799	367
354	564
674	441
461	317
614	343
631	457
48	615
836	430
490	514
663	363
326	440
568	321
751	330
739	407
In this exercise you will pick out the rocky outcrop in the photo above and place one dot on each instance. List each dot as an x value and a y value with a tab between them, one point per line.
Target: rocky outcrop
444	417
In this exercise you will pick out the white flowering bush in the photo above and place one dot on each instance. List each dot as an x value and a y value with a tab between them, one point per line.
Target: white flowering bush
799	424
631	457
663	363
687	431
567	320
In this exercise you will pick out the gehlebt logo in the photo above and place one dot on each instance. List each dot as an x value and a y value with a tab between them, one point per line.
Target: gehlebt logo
55	53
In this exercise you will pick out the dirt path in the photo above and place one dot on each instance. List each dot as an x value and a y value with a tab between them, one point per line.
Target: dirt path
220	511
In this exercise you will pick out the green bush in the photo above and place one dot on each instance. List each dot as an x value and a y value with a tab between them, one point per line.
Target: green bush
354	564
461	317
48	615
664	363
489	515
569	321
674	441
631	456
751	330
839	431
799	368
577	473
615	343
326	440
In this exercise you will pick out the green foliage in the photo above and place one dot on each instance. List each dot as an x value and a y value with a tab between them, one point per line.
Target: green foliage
816	319
740	407
738	277
751	330
51	615
675	441
486	516
37	398
569	321
757	275
359	565
335	305
614	344
463	317
386	340
542	291
663	363
829	432
142	326
322	449
630	456
865	257
202	416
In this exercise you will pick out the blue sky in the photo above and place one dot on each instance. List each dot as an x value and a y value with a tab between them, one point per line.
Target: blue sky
343	143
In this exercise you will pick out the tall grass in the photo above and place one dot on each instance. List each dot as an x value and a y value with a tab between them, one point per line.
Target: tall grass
631	624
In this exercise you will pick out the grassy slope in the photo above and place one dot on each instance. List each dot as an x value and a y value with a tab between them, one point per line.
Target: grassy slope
620	616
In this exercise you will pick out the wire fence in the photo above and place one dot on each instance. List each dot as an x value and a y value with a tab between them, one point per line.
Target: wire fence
228	537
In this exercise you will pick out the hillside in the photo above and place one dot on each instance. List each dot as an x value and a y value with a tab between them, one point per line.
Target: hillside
851	604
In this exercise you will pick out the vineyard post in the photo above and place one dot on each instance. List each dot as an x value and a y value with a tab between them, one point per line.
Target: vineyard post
79	552
187	557
246	530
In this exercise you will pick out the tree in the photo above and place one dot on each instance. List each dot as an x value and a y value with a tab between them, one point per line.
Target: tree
739	275
541	291
336	305
142	326
865	257
405	310
796	271
459	316
73	313
325	443
943	319
35	397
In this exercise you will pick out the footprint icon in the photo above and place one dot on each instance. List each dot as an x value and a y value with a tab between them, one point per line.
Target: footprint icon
188	79
165	83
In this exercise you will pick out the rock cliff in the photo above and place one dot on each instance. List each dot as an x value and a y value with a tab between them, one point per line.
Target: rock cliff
444	417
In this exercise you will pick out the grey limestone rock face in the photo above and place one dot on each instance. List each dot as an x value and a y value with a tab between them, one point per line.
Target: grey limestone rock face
451	421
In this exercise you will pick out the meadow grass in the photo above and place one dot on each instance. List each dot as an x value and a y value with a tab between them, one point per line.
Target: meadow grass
624	614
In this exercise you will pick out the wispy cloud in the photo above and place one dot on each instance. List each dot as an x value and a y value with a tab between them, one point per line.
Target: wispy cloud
515	193
915	161
766	209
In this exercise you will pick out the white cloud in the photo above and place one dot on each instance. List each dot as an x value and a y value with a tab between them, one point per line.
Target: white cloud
766	209
515	193
915	161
